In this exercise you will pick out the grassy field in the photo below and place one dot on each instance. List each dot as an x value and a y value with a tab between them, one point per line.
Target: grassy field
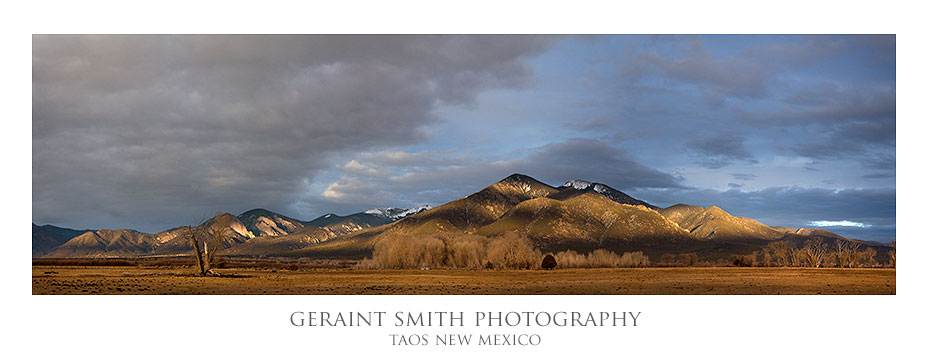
637	281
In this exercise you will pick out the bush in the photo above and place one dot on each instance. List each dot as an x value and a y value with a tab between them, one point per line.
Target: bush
601	258
668	259
511	250
688	259
743	260
403	252
549	262
634	259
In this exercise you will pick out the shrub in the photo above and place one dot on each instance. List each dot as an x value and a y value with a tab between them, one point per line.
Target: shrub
688	259
549	262
668	259
743	260
511	250
403	252
601	258
634	259
465	250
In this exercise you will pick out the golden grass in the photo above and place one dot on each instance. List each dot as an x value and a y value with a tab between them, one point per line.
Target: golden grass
606	281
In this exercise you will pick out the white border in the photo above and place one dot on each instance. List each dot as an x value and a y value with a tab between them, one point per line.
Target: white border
250	328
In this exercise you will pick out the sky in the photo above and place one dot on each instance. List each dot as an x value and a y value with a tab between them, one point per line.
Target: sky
151	132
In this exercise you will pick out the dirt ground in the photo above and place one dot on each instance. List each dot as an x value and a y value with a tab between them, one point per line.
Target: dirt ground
644	281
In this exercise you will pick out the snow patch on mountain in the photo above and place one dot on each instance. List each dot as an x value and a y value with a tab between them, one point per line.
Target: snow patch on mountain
397	213
577	184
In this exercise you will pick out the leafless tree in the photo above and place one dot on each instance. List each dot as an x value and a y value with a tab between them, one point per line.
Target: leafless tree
689	259
668	259
198	249
779	253
796	256
206	247
814	253
892	253
866	258
844	252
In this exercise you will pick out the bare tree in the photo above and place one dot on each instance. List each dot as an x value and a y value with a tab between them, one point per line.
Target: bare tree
796	256
198	250
892	253
866	258
207	250
779	253
668	259
844	252
814	253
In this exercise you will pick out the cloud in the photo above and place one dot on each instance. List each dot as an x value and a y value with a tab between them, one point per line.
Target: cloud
439	177
154	131
844	223
691	62
719	151
149	131
743	74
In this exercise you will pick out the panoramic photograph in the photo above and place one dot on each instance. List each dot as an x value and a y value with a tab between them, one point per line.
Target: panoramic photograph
464	164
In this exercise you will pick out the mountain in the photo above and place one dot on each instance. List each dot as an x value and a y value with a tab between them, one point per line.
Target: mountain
256	232
578	215
809	232
105	243
573	186
397	213
47	237
262	222
129	243
176	241
475	210
269	245
358	221
586	221
460	215
716	224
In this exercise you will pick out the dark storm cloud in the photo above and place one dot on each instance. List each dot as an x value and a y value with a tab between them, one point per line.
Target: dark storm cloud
150	131
715	152
436	178
144	131
821	97
746	73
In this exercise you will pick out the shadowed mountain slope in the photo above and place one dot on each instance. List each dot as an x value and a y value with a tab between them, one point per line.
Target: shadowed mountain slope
475	210
588	221
47	237
105	243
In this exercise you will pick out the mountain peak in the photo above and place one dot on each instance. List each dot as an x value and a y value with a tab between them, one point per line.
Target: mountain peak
257	212
609	192
519	178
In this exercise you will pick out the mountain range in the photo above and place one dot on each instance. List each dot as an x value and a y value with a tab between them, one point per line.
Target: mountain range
255	232
578	215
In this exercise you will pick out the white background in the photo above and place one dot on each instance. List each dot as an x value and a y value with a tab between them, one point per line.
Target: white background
257	328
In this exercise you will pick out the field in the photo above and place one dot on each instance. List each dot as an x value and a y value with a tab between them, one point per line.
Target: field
640	281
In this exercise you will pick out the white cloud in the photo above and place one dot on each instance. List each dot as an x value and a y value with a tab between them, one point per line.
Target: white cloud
844	223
